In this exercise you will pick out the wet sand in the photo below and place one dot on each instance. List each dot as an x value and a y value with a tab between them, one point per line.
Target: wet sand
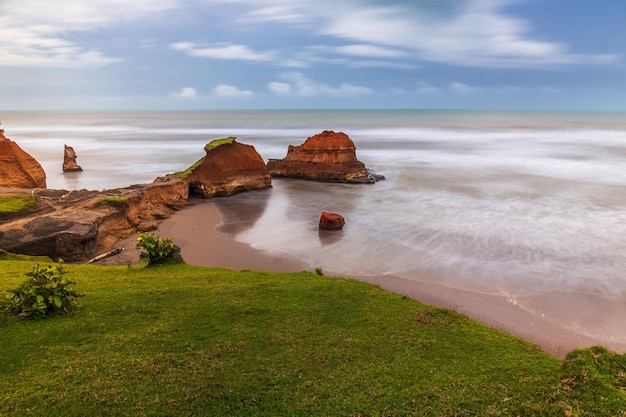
194	229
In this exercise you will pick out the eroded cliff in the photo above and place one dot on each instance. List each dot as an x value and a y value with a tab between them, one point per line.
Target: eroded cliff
328	156
17	168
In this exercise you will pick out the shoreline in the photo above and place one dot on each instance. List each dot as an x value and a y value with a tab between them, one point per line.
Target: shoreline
195	230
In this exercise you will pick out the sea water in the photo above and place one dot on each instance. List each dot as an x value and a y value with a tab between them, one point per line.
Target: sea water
527	205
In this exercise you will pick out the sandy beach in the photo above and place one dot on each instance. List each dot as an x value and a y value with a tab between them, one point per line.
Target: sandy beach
195	230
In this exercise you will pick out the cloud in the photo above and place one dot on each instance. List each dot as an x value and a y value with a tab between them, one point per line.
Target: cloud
466	89
280	89
298	85
186	92
370	51
39	33
473	33
225	90
356	33
222	51
425	88
462	88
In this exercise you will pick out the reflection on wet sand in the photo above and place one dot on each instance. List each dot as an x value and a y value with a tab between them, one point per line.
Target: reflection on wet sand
240	212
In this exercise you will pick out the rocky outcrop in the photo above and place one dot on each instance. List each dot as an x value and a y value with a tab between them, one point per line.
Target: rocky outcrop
17	168
331	221
229	167
80	224
69	160
328	156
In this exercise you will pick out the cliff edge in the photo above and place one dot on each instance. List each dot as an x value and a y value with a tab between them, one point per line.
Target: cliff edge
17	168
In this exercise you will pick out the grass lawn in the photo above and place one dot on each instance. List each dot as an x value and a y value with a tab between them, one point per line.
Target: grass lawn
179	340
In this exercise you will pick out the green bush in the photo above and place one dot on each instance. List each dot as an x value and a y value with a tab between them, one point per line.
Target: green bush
154	248
44	293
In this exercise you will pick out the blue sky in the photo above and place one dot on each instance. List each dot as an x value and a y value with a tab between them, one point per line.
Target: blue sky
205	54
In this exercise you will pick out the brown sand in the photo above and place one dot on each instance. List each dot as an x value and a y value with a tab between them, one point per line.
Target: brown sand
194	230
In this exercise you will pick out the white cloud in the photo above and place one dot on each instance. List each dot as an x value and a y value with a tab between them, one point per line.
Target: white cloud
280	89
299	85
477	33
186	92
39	33
462	88
425	88
223	51
225	90
370	51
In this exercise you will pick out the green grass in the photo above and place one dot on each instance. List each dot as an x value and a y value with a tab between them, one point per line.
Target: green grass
16	203
183	174
8	256
208	147
218	142
112	200
183	340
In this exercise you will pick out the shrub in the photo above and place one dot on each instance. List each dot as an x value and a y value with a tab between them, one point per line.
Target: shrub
155	249
44	293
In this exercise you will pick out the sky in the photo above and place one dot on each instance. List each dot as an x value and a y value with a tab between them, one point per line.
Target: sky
257	54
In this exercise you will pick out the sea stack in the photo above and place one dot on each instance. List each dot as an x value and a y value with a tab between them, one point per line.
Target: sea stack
328	156
69	160
229	167
17	168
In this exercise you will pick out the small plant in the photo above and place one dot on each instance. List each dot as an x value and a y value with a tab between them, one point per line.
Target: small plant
155	249
319	271
44	293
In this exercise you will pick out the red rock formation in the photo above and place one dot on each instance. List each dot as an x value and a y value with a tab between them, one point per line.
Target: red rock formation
229	167
331	221
327	156
81	224
17	168
69	160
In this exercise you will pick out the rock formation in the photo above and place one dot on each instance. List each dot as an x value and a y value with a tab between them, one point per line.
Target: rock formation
327	156
69	160
229	167
331	221
17	168
80	224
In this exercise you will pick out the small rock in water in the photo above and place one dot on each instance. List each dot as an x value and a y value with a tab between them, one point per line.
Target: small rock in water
69	160
331	221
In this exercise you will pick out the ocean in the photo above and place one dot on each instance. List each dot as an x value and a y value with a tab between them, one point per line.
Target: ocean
527	205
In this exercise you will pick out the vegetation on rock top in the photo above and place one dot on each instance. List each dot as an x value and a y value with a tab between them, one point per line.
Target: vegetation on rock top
114	200
208	147
219	142
183	174
16	203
